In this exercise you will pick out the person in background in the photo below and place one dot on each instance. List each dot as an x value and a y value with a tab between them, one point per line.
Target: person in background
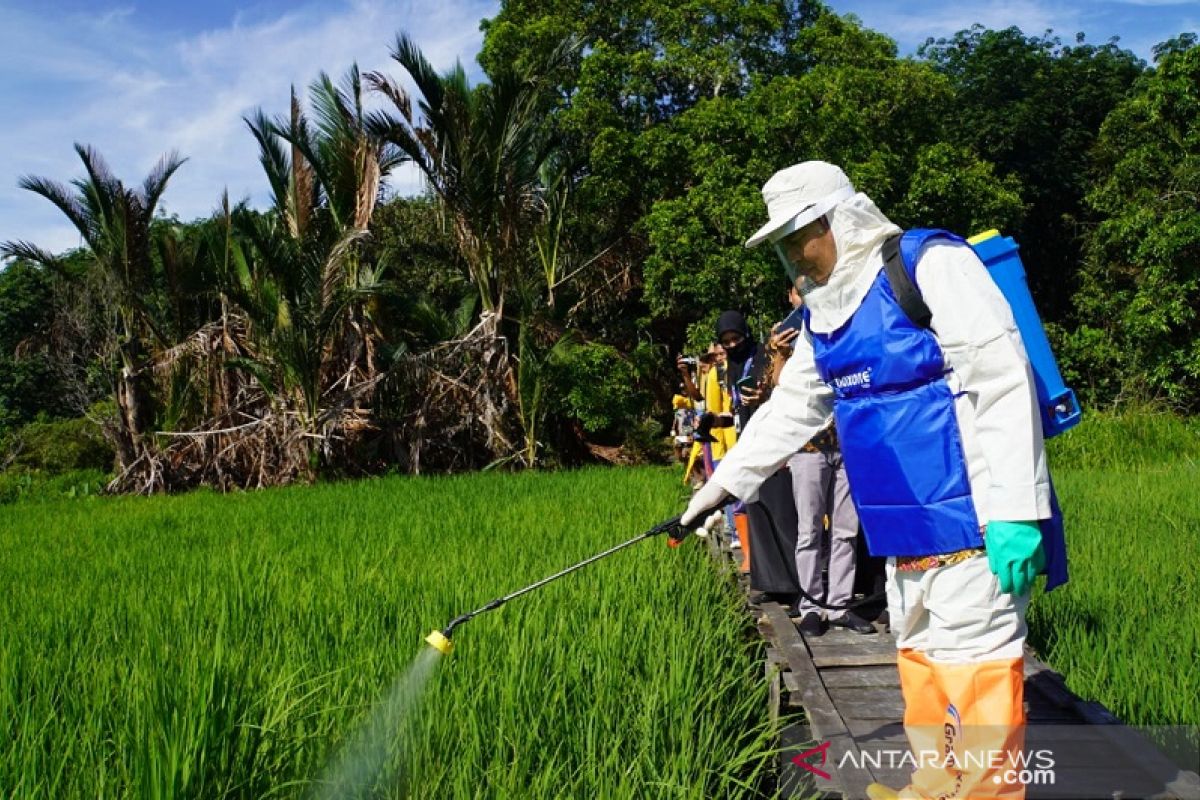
682	424
701	441
767	528
707	362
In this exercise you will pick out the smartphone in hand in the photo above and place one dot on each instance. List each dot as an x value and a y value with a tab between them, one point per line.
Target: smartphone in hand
793	321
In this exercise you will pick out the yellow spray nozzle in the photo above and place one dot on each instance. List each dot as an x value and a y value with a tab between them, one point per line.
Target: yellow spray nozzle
440	642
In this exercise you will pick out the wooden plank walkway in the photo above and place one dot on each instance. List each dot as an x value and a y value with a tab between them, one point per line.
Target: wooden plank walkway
846	686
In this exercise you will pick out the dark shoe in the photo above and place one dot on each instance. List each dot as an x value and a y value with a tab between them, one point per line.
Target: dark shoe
812	624
854	622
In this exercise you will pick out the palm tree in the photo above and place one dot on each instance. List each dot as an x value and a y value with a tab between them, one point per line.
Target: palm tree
482	151
115	224
299	277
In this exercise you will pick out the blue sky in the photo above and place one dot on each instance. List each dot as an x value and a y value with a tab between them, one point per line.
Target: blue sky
136	79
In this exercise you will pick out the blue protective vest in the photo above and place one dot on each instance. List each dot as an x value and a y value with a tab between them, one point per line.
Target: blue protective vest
898	430
899	434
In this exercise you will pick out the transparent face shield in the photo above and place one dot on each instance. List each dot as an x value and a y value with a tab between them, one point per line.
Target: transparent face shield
809	214
803	283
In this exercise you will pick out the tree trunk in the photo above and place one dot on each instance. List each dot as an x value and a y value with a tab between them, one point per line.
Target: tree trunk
134	404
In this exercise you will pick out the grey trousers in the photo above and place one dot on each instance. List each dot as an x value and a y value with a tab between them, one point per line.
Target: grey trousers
820	487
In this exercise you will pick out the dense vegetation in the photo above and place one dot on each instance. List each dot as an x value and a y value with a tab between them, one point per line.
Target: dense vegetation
1124	631
584	217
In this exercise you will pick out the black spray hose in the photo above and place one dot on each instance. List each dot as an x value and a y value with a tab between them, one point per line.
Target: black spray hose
676	531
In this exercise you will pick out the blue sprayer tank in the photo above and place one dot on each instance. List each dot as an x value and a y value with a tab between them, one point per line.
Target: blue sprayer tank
1060	409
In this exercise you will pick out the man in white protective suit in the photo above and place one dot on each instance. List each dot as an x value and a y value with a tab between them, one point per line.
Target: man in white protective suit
942	441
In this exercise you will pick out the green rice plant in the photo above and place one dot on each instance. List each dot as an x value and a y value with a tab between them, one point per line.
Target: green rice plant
1125	630
232	646
1140	438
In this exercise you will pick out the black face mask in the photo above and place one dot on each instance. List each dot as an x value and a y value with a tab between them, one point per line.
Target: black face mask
741	351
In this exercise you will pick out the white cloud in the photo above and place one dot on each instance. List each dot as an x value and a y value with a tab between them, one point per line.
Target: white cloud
104	81
943	18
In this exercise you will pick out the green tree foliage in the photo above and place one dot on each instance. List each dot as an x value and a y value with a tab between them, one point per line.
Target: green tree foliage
642	65
1139	331
298	271
601	387
951	187
503	190
1032	106
54	448
29	385
430	297
482	151
856	104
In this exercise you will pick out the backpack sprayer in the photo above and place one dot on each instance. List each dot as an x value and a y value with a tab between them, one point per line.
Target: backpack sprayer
1059	407
441	640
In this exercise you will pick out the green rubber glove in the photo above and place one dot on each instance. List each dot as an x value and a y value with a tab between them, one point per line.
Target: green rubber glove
1015	554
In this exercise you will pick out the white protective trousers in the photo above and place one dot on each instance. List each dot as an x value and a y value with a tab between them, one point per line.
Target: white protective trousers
956	614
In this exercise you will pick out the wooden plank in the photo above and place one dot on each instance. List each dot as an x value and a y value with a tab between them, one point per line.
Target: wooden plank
1036	714
876	676
1093	753
862	694
865	731
840	637
827	724
853	648
792	781
823	659
869	703
1049	734
1052	686
891	710
774	690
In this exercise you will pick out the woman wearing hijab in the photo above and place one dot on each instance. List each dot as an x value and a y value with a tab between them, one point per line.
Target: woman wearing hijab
767	527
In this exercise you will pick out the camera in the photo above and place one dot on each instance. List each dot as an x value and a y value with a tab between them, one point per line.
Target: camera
689	360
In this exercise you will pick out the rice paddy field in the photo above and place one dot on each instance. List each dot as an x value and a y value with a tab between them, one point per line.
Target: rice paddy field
270	644
1126	630
211	646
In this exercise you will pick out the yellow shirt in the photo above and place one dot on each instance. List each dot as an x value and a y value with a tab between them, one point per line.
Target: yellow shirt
717	400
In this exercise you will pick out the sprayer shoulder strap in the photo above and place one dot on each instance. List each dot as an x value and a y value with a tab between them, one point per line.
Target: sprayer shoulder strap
903	286
900	255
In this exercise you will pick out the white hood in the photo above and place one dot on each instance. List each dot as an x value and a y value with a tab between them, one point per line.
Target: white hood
859	231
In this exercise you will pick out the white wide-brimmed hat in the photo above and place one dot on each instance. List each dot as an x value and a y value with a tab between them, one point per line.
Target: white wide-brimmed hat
798	195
